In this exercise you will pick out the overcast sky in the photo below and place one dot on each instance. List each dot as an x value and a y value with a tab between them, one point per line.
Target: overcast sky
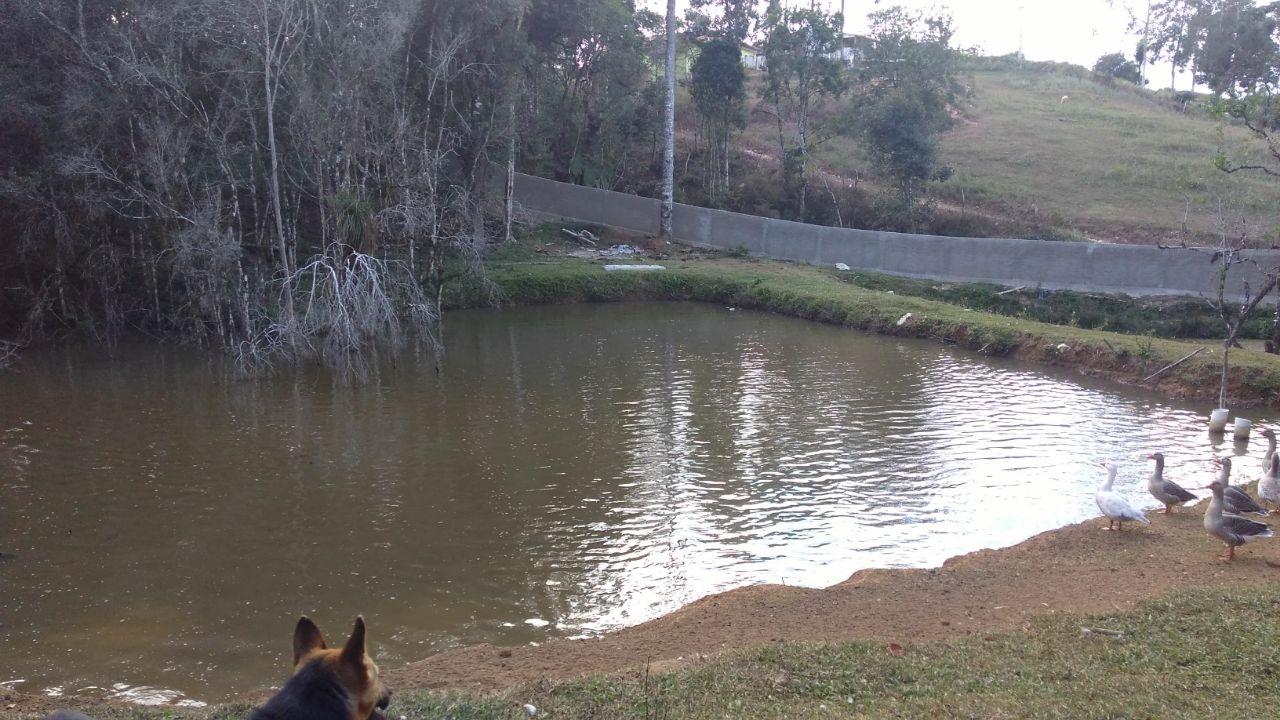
1076	31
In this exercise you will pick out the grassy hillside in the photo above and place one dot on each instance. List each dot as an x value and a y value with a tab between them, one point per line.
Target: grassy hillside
1113	163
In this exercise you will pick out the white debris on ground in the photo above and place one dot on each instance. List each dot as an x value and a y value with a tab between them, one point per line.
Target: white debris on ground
620	250
623	250
632	268
904	320
842	266
530	710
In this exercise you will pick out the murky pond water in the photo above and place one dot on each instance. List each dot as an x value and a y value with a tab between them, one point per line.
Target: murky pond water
574	469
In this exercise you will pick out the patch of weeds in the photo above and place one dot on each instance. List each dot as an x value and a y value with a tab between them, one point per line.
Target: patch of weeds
994	341
1146	348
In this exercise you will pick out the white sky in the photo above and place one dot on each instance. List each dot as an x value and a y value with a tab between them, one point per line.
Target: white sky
1076	31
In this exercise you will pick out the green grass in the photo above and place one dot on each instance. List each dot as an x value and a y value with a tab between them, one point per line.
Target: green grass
1115	162
1189	318
1108	156
1194	654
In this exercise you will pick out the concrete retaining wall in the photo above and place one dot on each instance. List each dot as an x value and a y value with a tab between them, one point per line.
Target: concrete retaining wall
1088	267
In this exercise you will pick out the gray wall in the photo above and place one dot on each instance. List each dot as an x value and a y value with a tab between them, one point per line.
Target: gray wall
1089	267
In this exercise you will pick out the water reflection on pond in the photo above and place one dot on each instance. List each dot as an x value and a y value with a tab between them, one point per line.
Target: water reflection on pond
573	469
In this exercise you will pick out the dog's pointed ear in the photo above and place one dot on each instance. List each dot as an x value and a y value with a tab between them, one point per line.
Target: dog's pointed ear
306	639
353	651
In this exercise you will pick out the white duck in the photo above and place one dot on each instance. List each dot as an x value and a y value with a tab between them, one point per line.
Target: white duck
1269	485
1114	505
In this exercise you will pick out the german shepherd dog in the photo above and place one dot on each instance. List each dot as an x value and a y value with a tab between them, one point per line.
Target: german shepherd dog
327	684
338	684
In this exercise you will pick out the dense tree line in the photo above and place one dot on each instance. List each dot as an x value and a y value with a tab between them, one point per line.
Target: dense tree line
290	178
299	179
894	91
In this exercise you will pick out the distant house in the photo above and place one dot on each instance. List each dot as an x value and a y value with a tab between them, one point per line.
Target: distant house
752	57
853	49
656	59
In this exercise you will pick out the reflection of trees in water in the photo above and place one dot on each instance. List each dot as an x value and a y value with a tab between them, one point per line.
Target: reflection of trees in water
761	402
590	464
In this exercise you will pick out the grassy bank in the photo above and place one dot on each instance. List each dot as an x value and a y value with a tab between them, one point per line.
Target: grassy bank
1183	318
838	298
1195	654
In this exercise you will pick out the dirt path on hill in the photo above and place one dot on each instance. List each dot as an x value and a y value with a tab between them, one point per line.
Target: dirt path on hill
1077	569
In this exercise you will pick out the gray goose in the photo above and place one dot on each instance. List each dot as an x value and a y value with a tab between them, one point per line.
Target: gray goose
1235	500
1269	485
1229	528
1166	491
1270	435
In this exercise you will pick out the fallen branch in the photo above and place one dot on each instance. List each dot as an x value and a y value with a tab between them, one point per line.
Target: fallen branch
1012	290
1174	364
585	237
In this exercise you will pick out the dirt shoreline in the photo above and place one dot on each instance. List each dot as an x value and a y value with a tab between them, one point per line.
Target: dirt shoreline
1080	568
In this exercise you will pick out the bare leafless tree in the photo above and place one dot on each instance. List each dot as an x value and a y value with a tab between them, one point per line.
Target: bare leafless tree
1232	251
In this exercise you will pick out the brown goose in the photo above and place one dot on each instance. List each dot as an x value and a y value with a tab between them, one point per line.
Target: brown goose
1166	491
1235	500
1230	529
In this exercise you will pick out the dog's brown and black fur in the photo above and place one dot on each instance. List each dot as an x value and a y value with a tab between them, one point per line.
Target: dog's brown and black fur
338	684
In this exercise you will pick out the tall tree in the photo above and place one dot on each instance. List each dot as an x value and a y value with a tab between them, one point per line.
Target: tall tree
718	87
803	66
590	95
723	19
1233	47
669	127
1116	65
907	86
1216	39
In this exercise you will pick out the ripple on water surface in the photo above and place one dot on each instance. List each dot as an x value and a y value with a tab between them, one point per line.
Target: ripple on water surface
572	470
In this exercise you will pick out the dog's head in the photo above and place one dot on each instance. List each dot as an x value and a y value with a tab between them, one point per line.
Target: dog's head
351	666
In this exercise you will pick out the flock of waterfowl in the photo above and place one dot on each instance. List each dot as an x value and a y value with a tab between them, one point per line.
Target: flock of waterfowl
1224	518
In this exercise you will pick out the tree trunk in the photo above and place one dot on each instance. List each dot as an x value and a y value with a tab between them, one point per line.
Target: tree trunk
270	98
1222	382
1273	347
511	170
669	127
804	156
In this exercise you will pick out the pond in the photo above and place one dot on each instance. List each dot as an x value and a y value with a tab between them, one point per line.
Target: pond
571	470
